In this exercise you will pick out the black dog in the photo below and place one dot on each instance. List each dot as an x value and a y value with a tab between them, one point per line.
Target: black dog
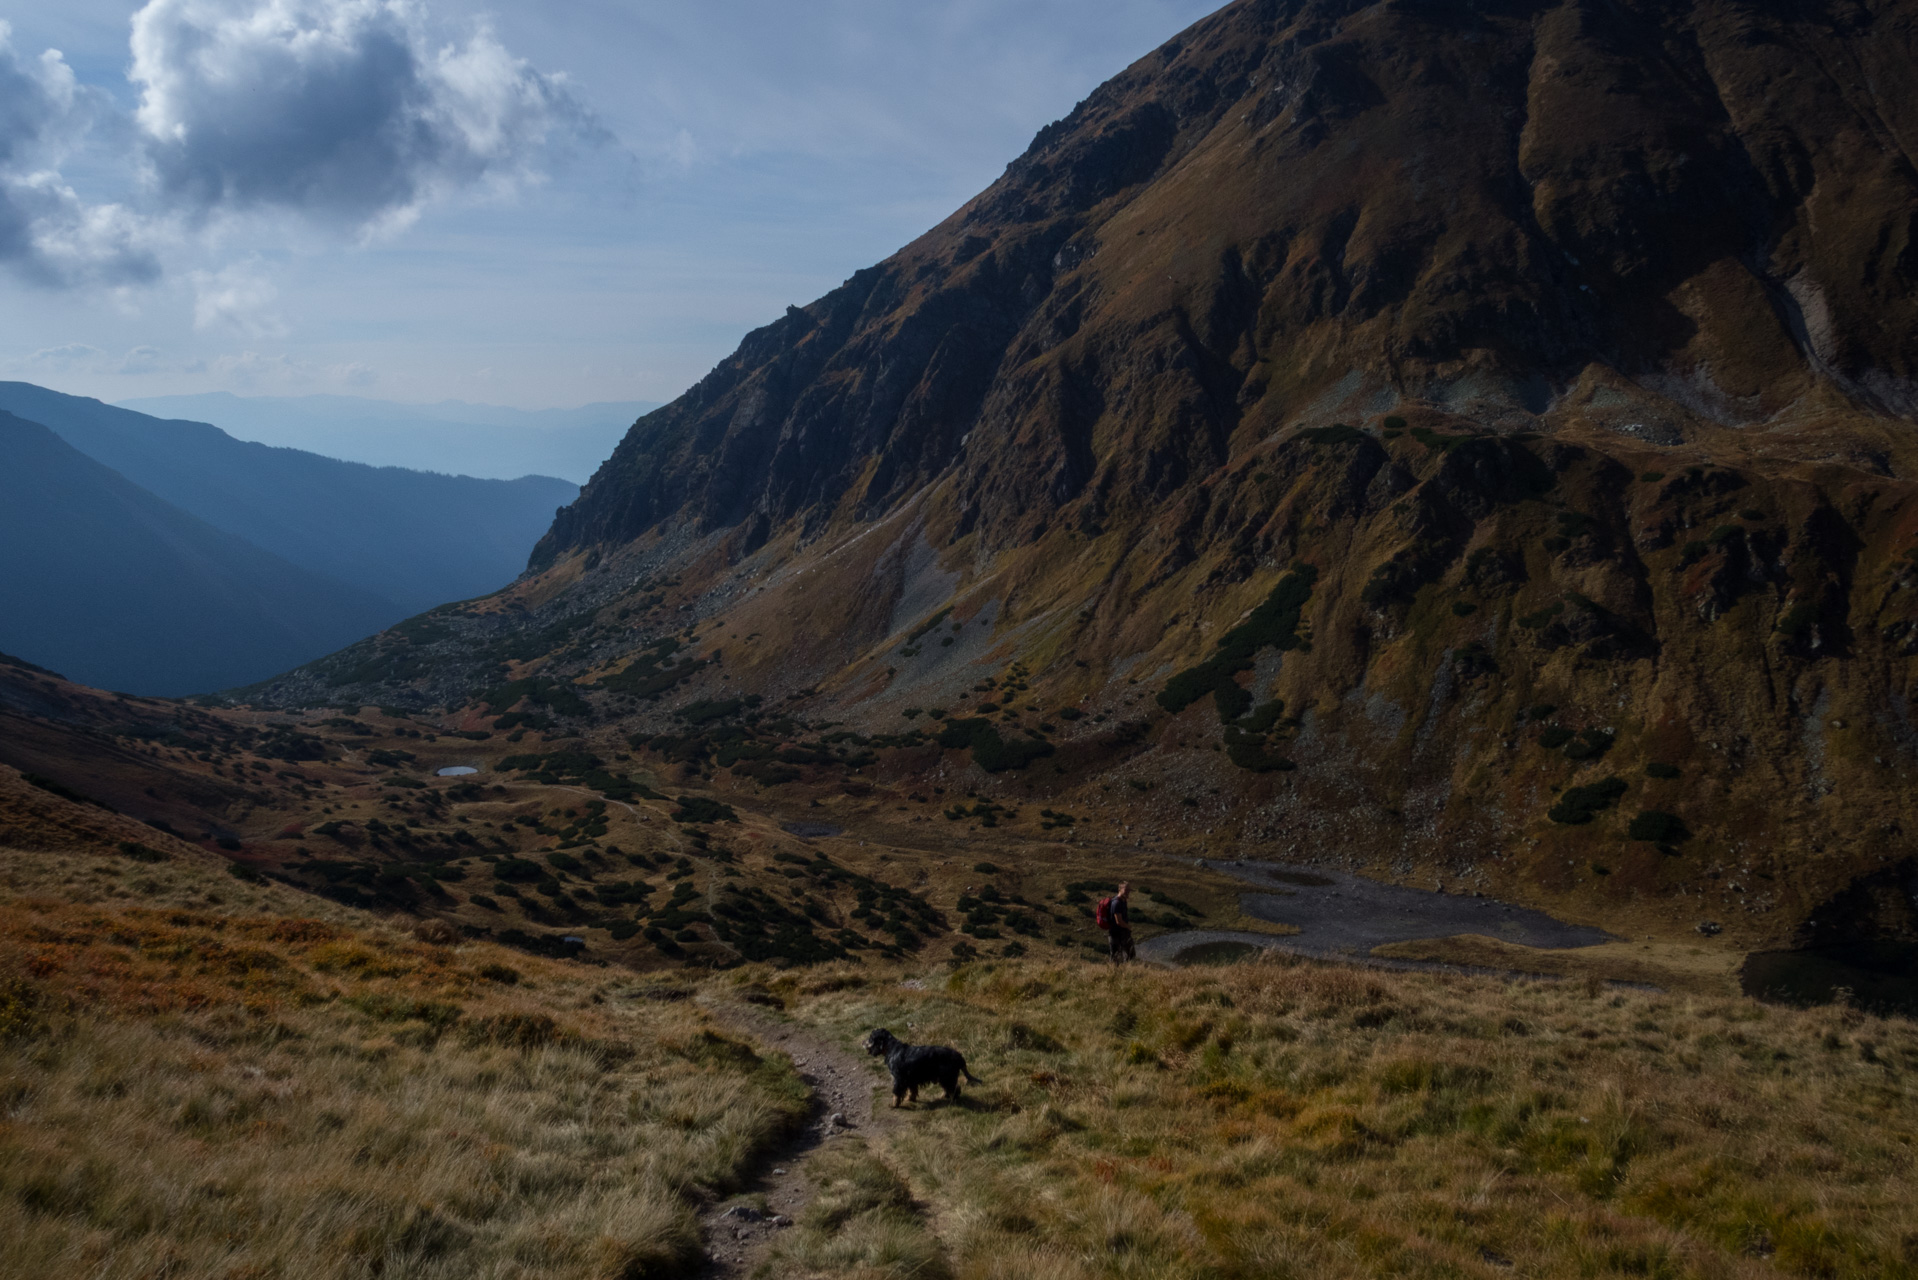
915	1064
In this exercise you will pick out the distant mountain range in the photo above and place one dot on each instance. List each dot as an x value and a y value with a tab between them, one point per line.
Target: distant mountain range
116	586
180	560
454	437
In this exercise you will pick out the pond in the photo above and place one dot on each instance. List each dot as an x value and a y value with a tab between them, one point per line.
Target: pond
1880	977
1222	951
458	771
1338	915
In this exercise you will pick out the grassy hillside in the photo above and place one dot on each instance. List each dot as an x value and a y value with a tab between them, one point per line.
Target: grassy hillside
1289	1119
211	1070
254	1083
248	1083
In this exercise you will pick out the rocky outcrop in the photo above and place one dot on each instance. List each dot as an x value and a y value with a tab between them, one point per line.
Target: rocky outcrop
1299	209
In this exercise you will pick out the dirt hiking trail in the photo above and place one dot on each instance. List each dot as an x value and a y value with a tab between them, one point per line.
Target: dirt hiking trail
738	1235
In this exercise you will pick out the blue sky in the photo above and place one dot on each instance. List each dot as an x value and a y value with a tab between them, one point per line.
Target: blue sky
546	204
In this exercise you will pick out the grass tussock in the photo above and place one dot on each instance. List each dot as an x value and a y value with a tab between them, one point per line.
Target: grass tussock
1285	1119
192	1094
861	1223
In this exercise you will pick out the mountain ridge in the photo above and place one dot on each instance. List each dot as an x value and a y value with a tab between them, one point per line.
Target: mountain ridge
1613	205
449	437
126	591
415	538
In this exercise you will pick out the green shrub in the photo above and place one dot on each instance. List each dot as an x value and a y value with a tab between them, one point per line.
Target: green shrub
1659	828
1264	717
1658	770
1552	737
1590	744
1652	477
1252	753
1797	620
1474	660
695	809
1337	433
990	751
1463	608
1693	552
139	852
518	870
1579	805
1272	625
707	710
1230	701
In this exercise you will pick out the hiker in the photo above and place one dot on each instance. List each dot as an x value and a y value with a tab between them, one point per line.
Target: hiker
1115	918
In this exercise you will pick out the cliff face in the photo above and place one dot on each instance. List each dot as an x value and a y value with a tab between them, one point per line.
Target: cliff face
1301	210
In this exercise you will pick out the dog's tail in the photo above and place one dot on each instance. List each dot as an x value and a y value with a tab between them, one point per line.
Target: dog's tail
967	1073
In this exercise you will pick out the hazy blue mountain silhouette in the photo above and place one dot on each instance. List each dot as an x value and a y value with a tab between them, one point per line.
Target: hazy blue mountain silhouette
414	538
113	586
450	436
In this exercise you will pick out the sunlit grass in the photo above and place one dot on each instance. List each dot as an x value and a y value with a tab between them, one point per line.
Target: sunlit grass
202	1095
1287	1119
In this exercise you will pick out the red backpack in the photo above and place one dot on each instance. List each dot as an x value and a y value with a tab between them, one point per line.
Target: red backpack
1102	914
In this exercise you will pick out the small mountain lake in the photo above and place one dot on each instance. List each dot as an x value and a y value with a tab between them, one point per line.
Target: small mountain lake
458	771
1879	977
1343	916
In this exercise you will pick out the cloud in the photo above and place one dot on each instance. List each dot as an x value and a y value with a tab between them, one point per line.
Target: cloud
250	369
343	111
73	355
48	234
236	298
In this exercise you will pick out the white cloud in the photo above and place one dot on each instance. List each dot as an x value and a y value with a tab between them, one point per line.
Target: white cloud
251	370
342	111
48	235
347	114
246	370
236	298
61	359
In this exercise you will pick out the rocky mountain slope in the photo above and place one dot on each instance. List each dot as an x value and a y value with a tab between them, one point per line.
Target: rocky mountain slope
1461	443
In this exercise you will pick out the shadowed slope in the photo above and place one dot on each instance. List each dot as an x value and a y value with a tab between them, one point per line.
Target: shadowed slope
117	588
415	538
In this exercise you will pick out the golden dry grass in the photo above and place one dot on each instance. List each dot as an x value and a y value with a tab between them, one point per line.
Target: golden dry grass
205	1077
190	1093
1286	1119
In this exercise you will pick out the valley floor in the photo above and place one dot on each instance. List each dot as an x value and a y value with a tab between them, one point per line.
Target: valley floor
225	1079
